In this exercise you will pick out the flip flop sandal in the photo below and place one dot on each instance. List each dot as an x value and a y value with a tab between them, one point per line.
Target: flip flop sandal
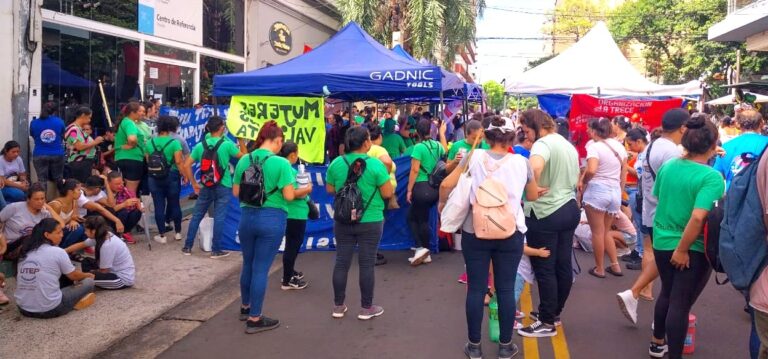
594	273
608	269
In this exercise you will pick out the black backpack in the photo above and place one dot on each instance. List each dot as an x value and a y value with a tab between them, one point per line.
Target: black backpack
157	165
438	173
348	207
210	168
252	188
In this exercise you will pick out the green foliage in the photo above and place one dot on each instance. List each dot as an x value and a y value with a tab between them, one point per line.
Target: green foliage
539	61
675	37
574	18
494	94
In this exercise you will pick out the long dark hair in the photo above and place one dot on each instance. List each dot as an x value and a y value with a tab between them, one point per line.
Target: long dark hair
37	238
9	146
66	185
100	226
129	108
49	109
537	120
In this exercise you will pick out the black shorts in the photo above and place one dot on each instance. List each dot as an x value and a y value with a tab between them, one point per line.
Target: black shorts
132	170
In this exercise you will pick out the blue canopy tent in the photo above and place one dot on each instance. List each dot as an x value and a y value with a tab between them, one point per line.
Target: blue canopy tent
454	87
52	73
350	66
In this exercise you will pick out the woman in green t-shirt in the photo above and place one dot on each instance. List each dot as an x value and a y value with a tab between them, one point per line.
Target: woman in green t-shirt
375	188
165	191
129	142
687	189
262	226
296	225
421	195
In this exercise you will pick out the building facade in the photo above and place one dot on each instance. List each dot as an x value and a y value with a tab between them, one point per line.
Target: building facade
747	21
142	49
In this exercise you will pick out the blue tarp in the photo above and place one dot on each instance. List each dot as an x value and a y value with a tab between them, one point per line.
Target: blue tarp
349	66
53	74
555	105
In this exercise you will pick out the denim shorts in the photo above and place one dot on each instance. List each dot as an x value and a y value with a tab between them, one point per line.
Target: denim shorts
603	197
629	239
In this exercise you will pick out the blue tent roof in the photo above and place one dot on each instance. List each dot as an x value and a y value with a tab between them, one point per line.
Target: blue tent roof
349	66
398	49
453	86
53	74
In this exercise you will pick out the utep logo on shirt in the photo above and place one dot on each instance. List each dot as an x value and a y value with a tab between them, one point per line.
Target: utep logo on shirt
48	136
28	272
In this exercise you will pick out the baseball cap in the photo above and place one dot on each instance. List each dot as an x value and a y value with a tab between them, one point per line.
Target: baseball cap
674	119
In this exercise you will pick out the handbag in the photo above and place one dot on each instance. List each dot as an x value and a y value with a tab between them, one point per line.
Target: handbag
457	206
314	212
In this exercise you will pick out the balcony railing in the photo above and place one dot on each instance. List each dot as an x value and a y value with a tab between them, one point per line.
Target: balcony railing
736	5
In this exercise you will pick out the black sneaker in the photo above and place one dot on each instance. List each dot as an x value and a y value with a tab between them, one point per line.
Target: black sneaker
635	265
507	351
538	330
298	275
380	260
473	351
294	283
187	251
219	254
263	324
631	257
244	313
535	316
657	350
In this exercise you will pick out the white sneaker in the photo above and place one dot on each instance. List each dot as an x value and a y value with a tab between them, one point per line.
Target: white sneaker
419	257
425	261
628	305
160	239
177	236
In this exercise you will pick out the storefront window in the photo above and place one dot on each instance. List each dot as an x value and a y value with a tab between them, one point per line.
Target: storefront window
168	52
122	13
209	67
171	84
74	60
223	25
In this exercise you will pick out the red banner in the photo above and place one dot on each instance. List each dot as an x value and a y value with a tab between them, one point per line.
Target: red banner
585	107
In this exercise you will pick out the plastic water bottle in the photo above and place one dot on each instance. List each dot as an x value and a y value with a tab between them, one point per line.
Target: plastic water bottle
302	178
690	337
493	320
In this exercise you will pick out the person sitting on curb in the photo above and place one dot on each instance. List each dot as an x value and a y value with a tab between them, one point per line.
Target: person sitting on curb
113	267
124	203
46	278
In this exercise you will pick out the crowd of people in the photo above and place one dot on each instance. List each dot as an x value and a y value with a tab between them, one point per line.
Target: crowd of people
514	184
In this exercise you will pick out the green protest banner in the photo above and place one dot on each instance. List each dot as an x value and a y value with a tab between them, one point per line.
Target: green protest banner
302	120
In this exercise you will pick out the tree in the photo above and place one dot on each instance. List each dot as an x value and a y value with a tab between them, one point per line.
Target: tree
539	61
574	18
427	26
494	93
674	34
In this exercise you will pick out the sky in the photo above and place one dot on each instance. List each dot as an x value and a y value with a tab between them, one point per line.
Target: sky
500	59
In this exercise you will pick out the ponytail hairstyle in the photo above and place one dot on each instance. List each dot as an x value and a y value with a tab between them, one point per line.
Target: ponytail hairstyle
269	131
49	109
99	225
66	185
37	238
214	124
9	146
288	148
82	111
601	127
701	135
128	109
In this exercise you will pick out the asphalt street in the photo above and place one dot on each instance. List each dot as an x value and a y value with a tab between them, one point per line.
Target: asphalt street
424	318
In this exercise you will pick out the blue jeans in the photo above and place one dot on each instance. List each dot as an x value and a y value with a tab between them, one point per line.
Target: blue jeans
505	256
219	196
72	236
637	219
261	231
165	196
13	195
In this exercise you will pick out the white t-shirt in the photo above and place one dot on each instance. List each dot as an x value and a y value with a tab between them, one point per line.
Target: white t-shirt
18	220
609	167
116	257
83	199
37	283
662	150
514	173
13	168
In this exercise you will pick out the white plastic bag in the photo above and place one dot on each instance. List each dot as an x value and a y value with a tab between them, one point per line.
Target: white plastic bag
457	207
205	233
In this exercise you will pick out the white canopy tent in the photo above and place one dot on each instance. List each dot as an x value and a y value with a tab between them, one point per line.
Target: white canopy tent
593	65
729	99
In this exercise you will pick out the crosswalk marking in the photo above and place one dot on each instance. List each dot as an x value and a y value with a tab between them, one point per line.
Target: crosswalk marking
531	345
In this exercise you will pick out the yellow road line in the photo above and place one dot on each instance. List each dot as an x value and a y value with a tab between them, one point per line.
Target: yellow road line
530	345
560	344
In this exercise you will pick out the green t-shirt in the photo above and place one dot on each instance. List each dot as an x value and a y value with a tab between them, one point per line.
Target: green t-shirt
277	174
394	145
682	186
409	142
160	142
464	144
374	176
128	128
560	174
145	130
297	209
428	152
226	151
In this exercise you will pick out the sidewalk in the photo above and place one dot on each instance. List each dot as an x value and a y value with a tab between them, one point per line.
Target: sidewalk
164	279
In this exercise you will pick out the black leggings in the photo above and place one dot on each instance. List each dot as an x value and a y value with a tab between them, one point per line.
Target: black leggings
294	237
679	291
423	198
130	218
554	274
